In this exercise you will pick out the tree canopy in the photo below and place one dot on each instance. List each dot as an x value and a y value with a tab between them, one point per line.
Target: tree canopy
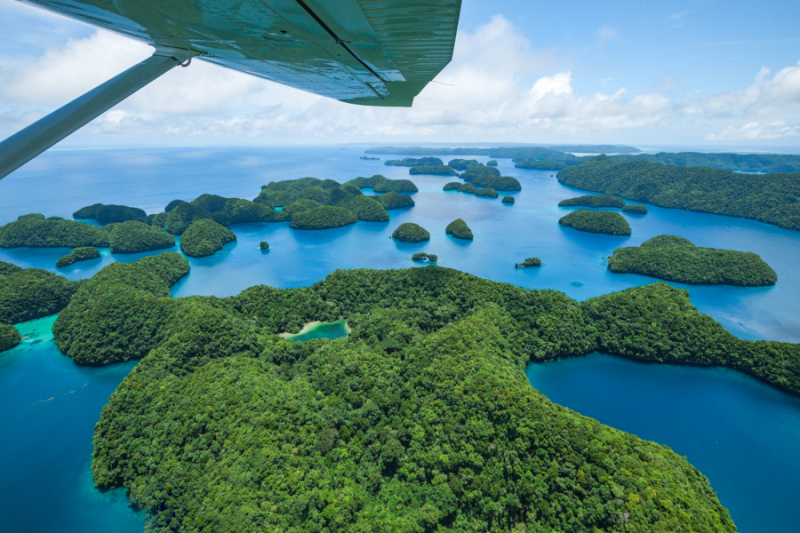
607	222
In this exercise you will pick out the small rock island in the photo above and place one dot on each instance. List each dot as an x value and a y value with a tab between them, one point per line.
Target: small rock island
410	232
508	200
84	253
459	229
529	262
382	184
108	214
607	222
263	245
425	258
674	258
635	209
594	200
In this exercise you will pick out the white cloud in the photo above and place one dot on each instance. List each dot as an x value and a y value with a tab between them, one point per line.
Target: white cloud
607	33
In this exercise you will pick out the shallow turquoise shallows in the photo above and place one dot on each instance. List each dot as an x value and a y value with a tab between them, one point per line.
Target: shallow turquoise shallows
742	434
323	330
48	445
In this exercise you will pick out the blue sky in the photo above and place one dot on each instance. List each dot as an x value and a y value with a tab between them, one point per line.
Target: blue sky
713	75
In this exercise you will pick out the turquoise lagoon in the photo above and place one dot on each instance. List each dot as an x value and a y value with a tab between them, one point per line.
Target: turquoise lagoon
36	477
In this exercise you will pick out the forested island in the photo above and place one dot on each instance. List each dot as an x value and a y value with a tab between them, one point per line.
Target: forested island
674	258
135	237
607	222
36	231
263	245
464	164
78	254
410	232
469	188
382	184
9	337
459	229
490	177
425	258
529	262
323	217
31	293
635	209
204	238
771	198
108	214
411	162
546	164
593	200
393	200
434	170
766	163
508	200
491	163
218	381
368	158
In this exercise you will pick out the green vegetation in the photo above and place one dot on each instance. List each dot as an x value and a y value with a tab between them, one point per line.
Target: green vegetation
464	164
422	419
204	238
459	229
501	183
325	192
393	200
227	211
606	222
109	214
180	217
381	184
9	337
78	254
428	258
367	158
411	162
134	237
8	268
593	200
547	164
635	209
676	259
473	173
324	217
264	245
771	198
491	163
410	232
742	163
27	294
452	186
529	262
486	193
367	209
437	170
508	200
37	232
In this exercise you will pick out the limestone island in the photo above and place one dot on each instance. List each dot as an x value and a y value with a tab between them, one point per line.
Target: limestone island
673	258
411	162
546	164
9	337
635	209
84	253
464	164
368	158
434	170
205	237
36	231
108	214
488	192
31	293
490	177
324	217
529	262
263	245
607	222
508	200
425	258
410	232
469	188
133	237
491	163
382	184
594	200
459	229
393	200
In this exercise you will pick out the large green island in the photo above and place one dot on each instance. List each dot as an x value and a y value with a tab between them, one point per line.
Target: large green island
421	412
674	258
606	222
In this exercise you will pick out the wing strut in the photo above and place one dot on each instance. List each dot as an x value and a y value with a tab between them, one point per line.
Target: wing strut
38	137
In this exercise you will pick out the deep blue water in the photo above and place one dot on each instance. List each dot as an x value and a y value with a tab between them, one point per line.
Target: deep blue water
742	434
60	182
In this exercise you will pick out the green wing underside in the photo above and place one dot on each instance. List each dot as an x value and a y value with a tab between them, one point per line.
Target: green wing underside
369	52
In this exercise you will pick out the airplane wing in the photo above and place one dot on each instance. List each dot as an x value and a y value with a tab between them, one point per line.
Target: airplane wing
366	52
370	52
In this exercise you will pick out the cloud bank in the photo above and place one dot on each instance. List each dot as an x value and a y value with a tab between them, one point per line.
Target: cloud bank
498	87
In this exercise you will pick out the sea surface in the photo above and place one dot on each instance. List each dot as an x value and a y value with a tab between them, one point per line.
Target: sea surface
48	440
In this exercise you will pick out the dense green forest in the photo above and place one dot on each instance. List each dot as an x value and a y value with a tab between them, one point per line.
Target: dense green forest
547	164
435	170
772	198
475	172
488	192
453	186
498	183
325	217
36	231
78	254
382	184
491	163
367	209
530	262
674	258
9	337
459	229
263	245
607	222
635	209
109	214
428	258
463	164
27	294
411	162
393	200
421	420
593	200
204	238
508	200
134	237
742	162
410	232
